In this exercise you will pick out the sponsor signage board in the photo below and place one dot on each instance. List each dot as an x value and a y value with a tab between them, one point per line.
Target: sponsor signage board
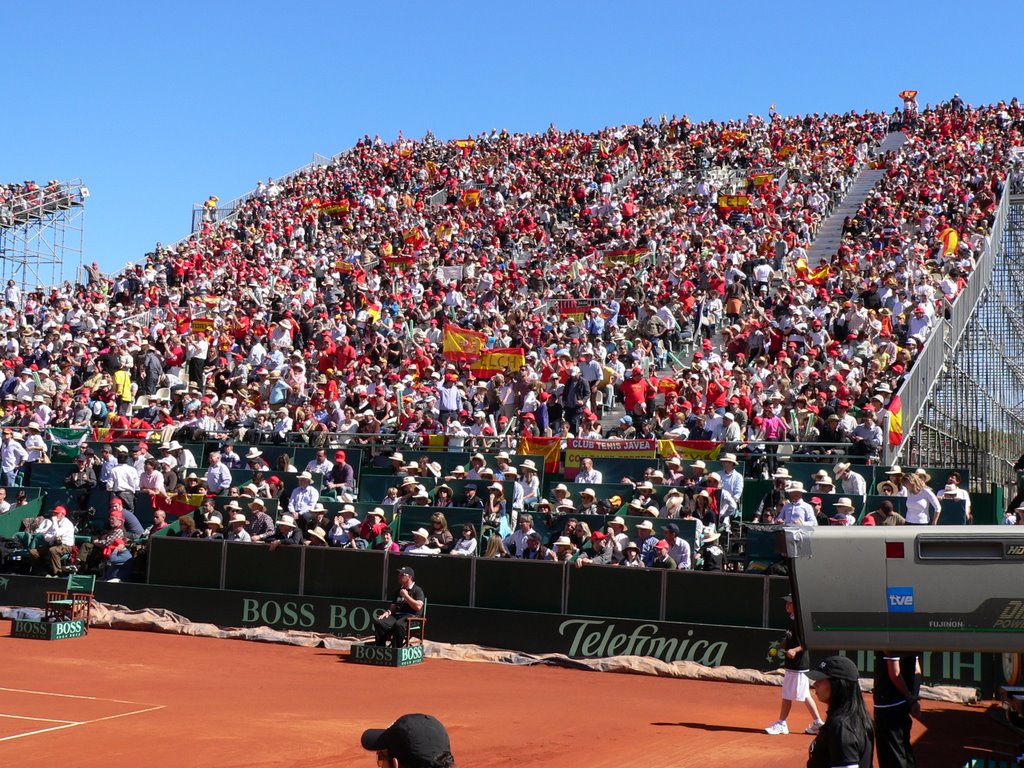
33	629
381	656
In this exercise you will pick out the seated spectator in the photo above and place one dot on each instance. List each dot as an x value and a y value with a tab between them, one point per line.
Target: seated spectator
631	556
287	533
237	528
466	546
421	544
710	556
884	515
54	538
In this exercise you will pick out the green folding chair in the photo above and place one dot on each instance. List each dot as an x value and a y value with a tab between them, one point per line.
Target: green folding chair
74	603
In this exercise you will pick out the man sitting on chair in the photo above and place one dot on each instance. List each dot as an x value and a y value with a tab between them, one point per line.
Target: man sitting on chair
58	537
408	602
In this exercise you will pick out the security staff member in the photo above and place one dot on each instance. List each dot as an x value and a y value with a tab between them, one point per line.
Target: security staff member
408	602
896	700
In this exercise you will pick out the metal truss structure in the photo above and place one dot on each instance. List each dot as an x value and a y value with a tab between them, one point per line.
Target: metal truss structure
42	235
974	417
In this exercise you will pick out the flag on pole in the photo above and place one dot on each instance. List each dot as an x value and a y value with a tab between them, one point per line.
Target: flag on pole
462	343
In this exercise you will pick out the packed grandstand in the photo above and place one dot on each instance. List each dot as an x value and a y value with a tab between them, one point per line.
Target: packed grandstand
650	284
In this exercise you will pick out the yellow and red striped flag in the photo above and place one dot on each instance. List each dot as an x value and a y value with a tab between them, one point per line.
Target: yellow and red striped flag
950	240
895	421
550	448
493	361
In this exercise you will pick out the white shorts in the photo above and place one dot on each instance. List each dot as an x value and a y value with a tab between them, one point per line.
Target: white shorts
795	686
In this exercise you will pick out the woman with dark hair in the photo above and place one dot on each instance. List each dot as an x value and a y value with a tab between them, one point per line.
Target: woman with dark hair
847	739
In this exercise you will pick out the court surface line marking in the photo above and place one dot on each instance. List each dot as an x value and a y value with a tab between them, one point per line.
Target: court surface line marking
66	695
41	730
42	719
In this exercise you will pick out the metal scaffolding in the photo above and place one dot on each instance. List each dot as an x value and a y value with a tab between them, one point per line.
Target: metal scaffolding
974	417
42	235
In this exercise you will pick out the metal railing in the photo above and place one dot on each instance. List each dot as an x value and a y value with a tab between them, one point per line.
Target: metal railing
942	343
22	208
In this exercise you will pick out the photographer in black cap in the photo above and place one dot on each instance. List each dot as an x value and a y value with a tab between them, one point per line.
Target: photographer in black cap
412	741
847	739
409	601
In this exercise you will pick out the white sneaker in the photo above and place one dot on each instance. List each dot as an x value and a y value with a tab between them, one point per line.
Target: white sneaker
778	728
814	727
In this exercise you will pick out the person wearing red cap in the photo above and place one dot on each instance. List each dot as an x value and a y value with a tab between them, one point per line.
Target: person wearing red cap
92	553
56	537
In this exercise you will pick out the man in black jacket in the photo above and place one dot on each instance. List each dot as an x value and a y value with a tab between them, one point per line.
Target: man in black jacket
409	601
287	534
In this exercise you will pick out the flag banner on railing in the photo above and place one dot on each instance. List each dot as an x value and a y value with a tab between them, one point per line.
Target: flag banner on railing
176	506
202	324
578	448
895	421
101	434
67	441
462	343
493	361
435	442
550	448
689	449
401	262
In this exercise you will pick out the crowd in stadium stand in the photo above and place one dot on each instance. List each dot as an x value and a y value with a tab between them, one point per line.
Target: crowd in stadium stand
629	267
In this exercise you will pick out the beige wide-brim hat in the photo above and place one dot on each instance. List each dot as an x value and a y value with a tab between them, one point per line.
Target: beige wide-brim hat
286	520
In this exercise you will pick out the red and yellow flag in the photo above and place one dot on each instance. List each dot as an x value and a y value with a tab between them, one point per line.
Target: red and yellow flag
462	343
760	179
471	198
549	448
786	151
435	442
431	169
950	241
895	421
689	449
373	309
733	202
414	238
908	95
493	361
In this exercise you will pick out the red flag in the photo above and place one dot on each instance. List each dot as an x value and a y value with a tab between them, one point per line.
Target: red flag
548	447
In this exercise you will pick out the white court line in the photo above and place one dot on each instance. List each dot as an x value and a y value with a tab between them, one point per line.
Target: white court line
42	730
42	719
66	695
69	723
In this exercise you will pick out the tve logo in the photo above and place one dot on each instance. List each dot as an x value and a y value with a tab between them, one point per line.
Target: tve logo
901	599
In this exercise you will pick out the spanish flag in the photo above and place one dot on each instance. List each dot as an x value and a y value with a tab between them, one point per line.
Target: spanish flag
549	448
786	151
414	238
434	442
895	421
431	169
466	145
494	361
689	449
373	310
471	198
950	241
760	179
462	343
907	95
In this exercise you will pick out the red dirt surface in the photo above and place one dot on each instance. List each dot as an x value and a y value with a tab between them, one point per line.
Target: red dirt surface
235	704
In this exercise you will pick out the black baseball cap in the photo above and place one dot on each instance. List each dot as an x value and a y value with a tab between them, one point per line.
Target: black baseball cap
414	740
672	528
837	668
407	571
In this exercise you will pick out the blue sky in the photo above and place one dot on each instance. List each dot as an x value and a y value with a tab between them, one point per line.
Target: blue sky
157	106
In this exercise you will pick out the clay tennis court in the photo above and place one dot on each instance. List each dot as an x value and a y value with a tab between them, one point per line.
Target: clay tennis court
168	700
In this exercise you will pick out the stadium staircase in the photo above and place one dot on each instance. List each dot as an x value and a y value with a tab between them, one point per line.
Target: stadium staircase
830	233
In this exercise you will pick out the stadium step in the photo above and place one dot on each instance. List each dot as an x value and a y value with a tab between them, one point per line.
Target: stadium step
830	233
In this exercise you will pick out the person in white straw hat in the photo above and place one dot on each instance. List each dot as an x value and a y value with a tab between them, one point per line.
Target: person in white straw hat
732	481
420	544
843	514
305	497
796	511
849	481
236	529
287	533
